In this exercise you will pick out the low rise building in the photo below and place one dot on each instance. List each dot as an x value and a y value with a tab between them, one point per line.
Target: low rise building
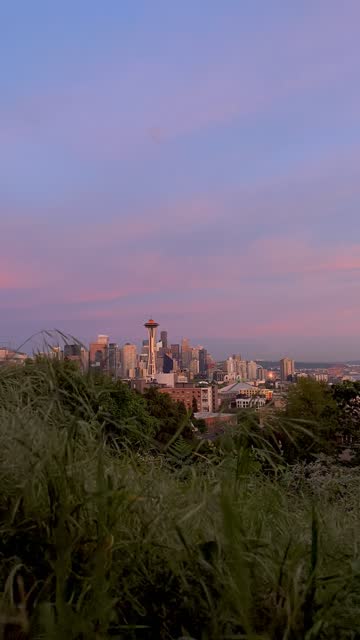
204	397
167	379
229	393
249	402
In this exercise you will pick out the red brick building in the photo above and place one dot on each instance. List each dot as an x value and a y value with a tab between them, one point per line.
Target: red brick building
206	397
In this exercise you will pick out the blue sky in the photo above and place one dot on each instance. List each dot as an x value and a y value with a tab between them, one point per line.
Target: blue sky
194	161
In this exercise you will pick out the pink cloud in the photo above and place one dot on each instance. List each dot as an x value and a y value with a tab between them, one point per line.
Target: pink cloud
15	276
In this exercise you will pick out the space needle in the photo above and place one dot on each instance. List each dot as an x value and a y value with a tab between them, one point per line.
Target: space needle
151	326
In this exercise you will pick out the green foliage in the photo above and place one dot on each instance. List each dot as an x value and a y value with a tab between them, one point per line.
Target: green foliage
345	392
103	537
313	401
200	424
312	419
347	398
171	417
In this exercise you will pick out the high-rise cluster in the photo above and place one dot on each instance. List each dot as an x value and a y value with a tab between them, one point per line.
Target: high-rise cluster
156	360
184	371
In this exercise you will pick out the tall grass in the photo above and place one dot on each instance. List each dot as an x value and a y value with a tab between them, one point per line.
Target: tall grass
101	541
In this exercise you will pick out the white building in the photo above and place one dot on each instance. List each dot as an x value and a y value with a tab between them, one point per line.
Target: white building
166	378
250	402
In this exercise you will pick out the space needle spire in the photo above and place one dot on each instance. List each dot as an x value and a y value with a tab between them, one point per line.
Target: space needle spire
151	326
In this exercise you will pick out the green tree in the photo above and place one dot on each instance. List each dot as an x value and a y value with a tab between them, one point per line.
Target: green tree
170	416
200	424
347	398
345	391
311	418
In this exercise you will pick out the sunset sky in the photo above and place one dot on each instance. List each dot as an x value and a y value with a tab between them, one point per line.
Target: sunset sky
198	162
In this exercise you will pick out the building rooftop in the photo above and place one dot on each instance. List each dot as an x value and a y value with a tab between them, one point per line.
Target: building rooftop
236	387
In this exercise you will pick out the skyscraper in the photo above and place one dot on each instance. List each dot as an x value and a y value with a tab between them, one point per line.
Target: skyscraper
240	366
72	351
186	353
203	368
287	368
261	373
77	353
98	356
175	351
251	370
164	339
151	326
168	365
114	359
230	366
128	360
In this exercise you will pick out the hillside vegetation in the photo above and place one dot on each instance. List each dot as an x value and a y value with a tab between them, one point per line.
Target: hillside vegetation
115	522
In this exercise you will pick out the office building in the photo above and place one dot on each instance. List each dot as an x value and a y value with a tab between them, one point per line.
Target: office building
287	369
72	351
186	353
175	352
203	364
168	363
261	373
98	353
164	339
77	353
219	375
230	366
194	366
114	360
128	360
251	368
241	369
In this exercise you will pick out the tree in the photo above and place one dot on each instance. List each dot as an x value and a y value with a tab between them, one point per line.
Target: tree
347	398
311	418
170	416
346	391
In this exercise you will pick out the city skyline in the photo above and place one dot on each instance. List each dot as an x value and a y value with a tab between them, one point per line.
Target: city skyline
221	347
199	163
45	338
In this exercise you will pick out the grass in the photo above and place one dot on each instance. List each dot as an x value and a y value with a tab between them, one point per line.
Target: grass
100	541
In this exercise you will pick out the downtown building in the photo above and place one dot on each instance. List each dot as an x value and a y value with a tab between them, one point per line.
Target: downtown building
77	353
287	369
98	353
129	362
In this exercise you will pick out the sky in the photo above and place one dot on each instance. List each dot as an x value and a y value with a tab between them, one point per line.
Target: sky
198	162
